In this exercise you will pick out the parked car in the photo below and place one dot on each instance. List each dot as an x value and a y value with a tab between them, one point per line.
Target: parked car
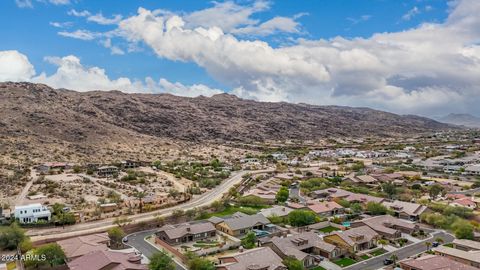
435	244
387	261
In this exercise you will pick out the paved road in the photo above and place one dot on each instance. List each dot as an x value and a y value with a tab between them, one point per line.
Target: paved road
468	191
137	240
103	225
414	249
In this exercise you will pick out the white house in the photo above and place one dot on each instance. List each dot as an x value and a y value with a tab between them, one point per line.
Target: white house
32	213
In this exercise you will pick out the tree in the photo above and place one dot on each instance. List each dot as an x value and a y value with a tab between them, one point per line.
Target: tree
12	237
47	255
375	208
439	240
394	258
382	242
116	235
197	263
390	189
178	213
282	195
161	261
191	213
173	193
356	208
435	190
140	195
293	264
217	206
428	245
53	253
463	230
249	241
300	218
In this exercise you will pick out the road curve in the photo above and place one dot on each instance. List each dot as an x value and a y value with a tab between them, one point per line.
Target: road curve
103	225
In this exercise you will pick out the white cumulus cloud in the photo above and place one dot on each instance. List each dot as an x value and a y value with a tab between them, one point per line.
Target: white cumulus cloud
15	66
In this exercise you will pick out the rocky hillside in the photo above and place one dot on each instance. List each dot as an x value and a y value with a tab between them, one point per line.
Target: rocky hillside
97	117
461	119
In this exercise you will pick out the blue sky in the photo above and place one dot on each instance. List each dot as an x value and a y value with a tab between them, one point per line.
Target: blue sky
34	29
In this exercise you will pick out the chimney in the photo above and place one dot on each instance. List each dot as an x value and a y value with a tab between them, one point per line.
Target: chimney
188	229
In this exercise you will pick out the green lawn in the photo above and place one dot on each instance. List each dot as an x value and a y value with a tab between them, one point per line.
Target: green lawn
319	268
449	245
378	252
344	262
365	257
329	229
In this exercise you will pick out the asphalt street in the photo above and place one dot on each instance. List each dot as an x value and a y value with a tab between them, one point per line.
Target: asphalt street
137	241
414	249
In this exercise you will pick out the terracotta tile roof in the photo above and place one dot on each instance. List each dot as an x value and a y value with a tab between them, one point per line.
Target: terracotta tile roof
81	245
293	245
322	207
258	258
102	259
180	230
435	262
357	235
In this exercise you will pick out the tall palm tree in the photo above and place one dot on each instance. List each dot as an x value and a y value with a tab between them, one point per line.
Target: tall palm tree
428	244
394	258
140	195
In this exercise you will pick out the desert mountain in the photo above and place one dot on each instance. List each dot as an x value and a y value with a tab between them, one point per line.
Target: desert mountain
99	116
461	119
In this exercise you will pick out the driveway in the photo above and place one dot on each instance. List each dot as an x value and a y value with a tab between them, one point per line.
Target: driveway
413	249
137	241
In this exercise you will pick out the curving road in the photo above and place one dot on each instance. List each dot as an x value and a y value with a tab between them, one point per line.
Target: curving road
137	241
103	225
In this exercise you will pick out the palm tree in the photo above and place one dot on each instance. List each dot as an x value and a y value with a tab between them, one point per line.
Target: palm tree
428	244
140	195
394	258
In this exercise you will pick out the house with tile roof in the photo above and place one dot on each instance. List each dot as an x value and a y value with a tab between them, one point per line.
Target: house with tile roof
186	232
387	226
337	193
239	223
307	247
325	208
471	258
433	262
78	246
353	240
406	210
105	259
262	258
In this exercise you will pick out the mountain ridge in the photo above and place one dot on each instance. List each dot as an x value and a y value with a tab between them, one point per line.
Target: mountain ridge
81	116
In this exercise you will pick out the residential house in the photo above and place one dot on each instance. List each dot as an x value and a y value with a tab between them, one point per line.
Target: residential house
406	210
471	258
353	240
466	245
239	223
107	171
78	246
307	247
254	259
464	202
32	213
186	232
325	208
106	259
336	193
362	179
129	164
433	262
387	226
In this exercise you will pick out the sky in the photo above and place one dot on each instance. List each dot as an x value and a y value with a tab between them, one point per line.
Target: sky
408	57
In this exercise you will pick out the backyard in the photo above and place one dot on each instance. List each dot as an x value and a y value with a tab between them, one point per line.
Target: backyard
329	229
